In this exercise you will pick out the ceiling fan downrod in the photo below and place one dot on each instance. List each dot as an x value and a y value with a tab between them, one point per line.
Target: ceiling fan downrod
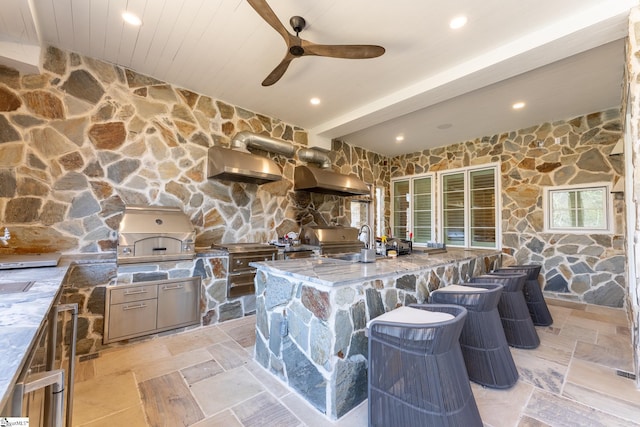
297	23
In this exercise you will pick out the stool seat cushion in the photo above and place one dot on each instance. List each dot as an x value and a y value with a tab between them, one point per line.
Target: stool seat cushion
460	288
406	314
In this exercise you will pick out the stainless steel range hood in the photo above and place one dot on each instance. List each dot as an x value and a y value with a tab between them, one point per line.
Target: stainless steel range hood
323	179
238	164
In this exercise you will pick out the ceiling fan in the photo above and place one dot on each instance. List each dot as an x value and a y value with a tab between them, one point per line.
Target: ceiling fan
297	47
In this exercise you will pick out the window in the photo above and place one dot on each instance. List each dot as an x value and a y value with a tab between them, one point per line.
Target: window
578	209
469	209
413	209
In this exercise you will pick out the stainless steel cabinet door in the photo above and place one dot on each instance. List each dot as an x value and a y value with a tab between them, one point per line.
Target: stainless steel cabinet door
179	303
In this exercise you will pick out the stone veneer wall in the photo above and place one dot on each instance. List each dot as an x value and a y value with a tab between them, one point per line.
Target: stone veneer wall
633	177
84	138
579	267
323	353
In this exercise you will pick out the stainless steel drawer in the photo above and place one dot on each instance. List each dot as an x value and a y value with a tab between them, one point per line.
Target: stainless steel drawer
132	318
179	303
241	283
130	294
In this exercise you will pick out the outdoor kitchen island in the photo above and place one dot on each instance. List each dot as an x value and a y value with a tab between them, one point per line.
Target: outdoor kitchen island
311	315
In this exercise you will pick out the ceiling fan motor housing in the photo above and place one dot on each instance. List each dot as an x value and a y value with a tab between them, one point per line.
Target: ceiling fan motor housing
297	23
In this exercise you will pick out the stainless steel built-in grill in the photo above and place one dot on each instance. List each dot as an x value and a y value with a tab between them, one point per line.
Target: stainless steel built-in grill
155	233
332	240
152	234
241	275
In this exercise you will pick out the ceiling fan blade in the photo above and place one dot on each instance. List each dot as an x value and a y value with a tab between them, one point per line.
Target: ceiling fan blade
278	72
265	11
348	51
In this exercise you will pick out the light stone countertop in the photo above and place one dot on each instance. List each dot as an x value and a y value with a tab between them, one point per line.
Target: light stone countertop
23	314
335	272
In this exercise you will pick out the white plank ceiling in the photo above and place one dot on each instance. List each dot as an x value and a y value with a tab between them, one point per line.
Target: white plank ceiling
563	58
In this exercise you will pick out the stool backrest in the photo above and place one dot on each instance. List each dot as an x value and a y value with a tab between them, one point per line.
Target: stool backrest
431	338
478	297
512	282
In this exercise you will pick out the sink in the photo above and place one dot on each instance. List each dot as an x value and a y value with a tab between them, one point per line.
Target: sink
15	287
353	257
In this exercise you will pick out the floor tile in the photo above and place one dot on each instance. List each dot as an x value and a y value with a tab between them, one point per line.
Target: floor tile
313	418
159	367
552	353
502	408
604	380
85	370
222	419
124	358
267	379
130	417
241	330
193	340
556	302
225	390
558	341
102	396
579	333
229	354
609	356
558	411
210	374
264	409
539	372
526	421
602	401
168	402
201	371
579	319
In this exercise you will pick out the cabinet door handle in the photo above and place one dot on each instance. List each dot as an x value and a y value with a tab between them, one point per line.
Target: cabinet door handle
169	288
140	291
133	307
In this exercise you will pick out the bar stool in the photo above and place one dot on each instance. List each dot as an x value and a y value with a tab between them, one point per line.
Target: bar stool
484	346
538	309
514	314
417	375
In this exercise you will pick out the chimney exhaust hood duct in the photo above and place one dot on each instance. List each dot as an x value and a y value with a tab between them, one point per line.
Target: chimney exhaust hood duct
324	180
238	164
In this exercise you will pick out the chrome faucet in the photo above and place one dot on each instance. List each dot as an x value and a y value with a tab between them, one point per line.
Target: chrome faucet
370	243
4	239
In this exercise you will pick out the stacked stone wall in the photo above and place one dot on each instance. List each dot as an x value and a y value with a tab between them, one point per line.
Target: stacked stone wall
580	267
85	138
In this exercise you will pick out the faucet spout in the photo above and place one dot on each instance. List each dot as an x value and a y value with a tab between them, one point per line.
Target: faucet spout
368	238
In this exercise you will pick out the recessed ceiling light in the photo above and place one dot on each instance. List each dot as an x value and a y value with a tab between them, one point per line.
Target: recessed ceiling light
314	101
518	105
399	138
132	19
444	126
458	22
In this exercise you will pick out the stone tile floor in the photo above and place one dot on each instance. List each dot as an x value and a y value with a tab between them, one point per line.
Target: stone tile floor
206	377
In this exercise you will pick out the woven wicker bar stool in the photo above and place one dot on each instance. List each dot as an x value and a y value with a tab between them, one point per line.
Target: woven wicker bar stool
484	346
538	309
417	375
514	314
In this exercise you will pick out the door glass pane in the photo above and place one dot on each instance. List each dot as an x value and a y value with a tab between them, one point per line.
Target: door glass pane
422	210
453	209
482	219
400	208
